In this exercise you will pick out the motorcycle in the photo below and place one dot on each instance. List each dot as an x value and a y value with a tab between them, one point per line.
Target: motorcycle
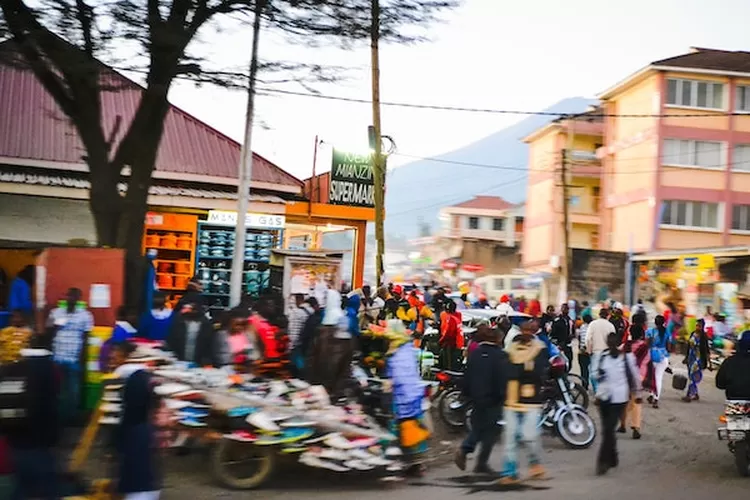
560	415
736	431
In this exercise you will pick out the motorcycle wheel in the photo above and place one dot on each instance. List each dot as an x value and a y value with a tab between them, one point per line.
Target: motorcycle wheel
741	451
455	419
576	428
580	395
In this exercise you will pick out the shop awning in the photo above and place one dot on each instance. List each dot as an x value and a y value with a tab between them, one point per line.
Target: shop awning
735	251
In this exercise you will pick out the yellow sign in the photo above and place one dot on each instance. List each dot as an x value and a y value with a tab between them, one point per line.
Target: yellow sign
698	268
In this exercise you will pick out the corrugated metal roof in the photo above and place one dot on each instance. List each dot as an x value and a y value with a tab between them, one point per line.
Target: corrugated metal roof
35	128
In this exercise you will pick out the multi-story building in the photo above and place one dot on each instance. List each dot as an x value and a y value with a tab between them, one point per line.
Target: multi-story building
673	166
574	142
678	177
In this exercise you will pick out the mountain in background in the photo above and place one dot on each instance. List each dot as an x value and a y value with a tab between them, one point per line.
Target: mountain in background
416	191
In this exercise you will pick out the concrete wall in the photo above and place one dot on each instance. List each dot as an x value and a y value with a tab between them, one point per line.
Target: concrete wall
495	257
44	220
594	271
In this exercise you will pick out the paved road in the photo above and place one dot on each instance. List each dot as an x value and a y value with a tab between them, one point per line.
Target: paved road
678	458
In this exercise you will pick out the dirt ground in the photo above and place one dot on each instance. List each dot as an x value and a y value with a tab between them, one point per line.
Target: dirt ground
679	457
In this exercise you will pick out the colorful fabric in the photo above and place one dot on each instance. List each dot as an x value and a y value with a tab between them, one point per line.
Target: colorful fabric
408	388
642	354
12	341
413	437
695	372
659	344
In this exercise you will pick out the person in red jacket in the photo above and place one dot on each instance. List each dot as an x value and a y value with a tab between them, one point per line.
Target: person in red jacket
451	337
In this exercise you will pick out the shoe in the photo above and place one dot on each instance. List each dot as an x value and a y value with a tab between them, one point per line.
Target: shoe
636	434
655	406
650	399
484	470
508	481
601	469
536	471
687	399
459	458
261	421
358	465
621	430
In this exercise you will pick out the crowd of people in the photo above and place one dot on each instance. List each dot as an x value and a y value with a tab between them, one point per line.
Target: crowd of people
621	357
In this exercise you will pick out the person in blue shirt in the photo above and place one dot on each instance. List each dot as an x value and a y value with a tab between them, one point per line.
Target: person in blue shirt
661	343
19	296
154	324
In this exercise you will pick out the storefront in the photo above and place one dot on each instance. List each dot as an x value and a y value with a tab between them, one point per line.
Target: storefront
694	281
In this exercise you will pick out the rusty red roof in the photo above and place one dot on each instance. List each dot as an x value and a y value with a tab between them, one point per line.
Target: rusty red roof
35	128
485	203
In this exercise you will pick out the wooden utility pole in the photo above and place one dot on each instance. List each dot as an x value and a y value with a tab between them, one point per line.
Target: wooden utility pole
565	182
378	164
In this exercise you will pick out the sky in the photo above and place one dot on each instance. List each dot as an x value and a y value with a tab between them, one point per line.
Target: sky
485	54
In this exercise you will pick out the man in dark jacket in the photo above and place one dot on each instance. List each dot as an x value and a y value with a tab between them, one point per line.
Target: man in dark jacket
192	338
33	427
562	332
528	364
734	373
484	386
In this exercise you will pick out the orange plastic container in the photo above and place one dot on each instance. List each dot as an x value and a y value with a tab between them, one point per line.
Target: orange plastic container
184	242
180	282
182	267
164	267
169	240
165	280
152	240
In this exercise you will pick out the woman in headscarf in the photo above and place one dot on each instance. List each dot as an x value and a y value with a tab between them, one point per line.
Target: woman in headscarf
696	360
639	348
408	393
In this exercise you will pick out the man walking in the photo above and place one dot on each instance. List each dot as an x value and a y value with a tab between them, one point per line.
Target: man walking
484	385
596	343
528	362
562	332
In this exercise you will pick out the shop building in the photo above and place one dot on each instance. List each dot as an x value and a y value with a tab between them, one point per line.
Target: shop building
44	190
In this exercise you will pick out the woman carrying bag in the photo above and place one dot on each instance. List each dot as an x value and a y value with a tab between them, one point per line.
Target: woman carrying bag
618	380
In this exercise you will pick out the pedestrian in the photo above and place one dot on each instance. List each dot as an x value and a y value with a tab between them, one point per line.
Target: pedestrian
14	338
19	293
370	308
451	337
661	343
562	331
305	348
29	420
71	324
192	339
527	366
732	376
136	436
123	330
696	360
596	342
155	323
242	348
638	346
622	326
584	358
484	385
297	317
617	375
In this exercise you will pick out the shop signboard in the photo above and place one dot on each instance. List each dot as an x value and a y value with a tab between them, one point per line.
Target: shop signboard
698	268
262	221
352	180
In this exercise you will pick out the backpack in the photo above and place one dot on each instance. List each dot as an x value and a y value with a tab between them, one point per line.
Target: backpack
15	397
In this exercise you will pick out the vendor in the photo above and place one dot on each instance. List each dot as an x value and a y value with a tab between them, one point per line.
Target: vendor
241	343
408	394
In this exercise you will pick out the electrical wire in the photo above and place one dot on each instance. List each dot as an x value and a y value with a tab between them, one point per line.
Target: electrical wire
439	107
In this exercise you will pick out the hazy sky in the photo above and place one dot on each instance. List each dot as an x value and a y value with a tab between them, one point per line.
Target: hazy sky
488	54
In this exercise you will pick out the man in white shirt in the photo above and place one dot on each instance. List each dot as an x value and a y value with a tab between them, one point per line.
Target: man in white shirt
596	342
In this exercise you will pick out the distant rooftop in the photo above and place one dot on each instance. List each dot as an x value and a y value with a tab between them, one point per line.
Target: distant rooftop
710	59
485	203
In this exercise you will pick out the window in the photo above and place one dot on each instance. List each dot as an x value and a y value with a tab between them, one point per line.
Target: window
516	283
498	224
499	283
741	158
741	217
695	93
685	153
690	214
473	222
743	98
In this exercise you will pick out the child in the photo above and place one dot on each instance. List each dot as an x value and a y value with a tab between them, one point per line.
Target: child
154	324
122	332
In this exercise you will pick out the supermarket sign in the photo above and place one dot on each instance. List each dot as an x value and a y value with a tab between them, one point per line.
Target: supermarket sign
352	180
262	221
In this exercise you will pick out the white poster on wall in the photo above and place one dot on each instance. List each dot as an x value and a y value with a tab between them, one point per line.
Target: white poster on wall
99	296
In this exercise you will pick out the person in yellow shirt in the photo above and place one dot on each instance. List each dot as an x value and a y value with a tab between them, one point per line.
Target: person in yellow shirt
14	338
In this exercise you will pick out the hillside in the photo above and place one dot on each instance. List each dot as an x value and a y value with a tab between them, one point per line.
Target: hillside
405	208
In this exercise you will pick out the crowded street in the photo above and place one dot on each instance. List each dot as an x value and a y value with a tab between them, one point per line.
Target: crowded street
679	457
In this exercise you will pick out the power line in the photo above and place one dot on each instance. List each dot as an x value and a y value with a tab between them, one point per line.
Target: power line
439	107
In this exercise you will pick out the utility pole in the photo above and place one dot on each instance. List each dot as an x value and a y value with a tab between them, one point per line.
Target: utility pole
565	182
245	170
377	160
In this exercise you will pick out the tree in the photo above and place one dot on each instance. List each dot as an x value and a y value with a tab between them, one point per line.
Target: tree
68	43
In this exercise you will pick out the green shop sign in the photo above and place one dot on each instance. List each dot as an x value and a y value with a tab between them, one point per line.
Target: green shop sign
352	181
